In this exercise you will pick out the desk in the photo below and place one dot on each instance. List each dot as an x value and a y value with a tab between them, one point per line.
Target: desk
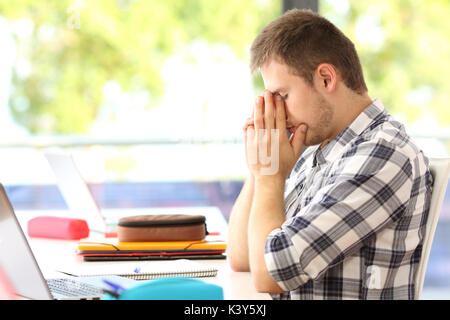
53	253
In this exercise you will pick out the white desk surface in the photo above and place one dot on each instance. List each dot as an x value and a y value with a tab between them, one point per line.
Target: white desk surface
52	254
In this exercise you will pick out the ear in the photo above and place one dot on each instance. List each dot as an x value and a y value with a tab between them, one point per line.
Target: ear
326	77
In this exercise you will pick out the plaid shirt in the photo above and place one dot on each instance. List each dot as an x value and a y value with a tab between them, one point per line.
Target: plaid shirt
355	215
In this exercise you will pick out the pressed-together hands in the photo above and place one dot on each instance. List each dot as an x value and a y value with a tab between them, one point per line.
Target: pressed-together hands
270	156
269	151
259	209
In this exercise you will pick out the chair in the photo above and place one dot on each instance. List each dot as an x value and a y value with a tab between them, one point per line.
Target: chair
440	169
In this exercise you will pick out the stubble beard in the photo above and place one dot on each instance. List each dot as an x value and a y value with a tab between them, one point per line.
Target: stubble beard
319	131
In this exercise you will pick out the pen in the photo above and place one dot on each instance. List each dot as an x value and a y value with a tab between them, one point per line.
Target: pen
111	293
115	288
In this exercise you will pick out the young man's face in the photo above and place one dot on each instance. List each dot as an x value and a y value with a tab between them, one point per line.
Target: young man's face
304	104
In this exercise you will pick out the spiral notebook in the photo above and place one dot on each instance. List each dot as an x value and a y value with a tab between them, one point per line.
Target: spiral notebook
145	270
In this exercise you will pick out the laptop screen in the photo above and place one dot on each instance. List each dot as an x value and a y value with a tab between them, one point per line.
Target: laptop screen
75	191
16	258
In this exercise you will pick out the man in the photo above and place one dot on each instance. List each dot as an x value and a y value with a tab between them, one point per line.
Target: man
345	219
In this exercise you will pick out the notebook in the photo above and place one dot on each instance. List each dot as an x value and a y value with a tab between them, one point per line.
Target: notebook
180	249
144	271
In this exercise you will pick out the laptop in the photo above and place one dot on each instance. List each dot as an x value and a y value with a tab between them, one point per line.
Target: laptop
83	205
22	270
76	193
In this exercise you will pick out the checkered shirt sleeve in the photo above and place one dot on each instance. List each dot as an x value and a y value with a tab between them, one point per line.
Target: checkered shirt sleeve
367	190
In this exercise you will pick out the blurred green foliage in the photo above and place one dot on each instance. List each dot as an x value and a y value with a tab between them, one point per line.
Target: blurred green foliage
78	46
409	68
74	50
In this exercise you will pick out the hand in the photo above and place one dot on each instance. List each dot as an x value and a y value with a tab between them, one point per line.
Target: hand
249	122
269	151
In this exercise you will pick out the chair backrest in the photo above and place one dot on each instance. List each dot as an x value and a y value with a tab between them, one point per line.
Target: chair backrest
440	169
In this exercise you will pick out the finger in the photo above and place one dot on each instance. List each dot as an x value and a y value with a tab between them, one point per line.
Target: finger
248	122
280	113
298	139
246	130
269	120
258	114
251	151
250	119
248	125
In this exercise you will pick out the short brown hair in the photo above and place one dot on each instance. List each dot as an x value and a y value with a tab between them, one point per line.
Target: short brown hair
302	40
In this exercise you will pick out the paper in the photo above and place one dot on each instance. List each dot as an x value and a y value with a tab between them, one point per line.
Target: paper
143	270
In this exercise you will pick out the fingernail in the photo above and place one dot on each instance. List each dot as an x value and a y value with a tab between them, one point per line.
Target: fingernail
304	128
278	97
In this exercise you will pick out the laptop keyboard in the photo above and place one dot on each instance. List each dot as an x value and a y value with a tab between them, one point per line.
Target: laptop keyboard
73	288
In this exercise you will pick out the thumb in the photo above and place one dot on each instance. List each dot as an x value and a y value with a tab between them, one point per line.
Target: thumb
298	139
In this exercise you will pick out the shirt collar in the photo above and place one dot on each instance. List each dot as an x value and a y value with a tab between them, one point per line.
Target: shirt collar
363	121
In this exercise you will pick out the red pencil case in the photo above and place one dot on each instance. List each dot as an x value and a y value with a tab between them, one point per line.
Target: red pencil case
58	228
